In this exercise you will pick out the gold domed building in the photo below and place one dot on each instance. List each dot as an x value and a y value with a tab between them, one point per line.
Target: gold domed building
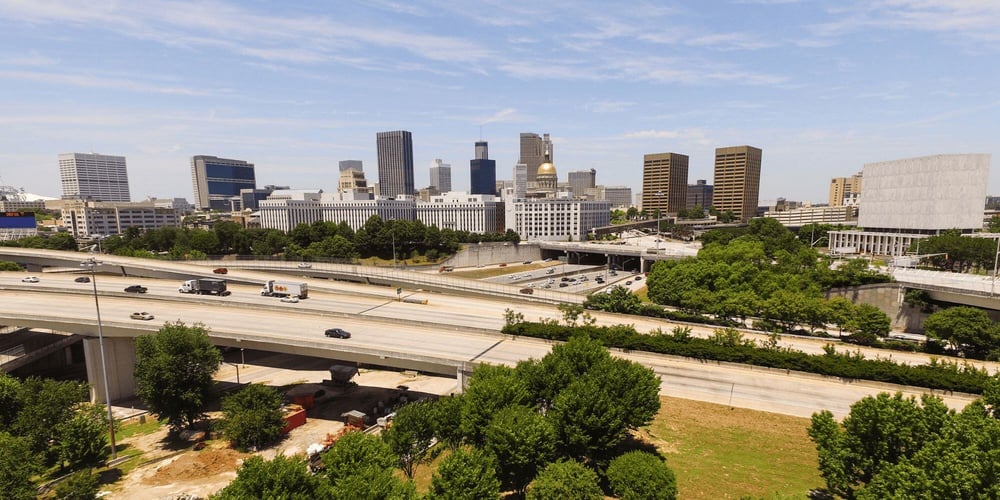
546	177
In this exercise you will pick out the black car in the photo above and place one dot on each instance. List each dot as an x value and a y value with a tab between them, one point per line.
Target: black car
82	279
135	289
338	333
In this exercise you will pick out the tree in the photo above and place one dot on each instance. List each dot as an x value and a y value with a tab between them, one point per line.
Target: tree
282	477
965	329
619	300
173	372
411	434
491	388
448	420
879	432
83	439
594	412
18	464
466	474
252	417
45	405
523	442
565	479
10	400
355	451
373	483
637	475
869	320
81	485
6	265
959	463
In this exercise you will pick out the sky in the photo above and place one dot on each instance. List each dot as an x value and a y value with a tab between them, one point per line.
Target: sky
823	87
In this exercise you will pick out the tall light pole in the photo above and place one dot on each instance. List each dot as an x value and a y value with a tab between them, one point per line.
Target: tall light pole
91	263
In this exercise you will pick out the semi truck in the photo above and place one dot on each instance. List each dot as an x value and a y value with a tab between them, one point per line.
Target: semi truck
205	286
277	288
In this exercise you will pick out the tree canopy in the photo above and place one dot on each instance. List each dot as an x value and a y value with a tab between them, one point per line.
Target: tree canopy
252	417
173	372
566	479
637	475
466	474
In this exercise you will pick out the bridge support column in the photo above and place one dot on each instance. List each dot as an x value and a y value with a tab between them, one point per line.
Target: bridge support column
120	359
462	376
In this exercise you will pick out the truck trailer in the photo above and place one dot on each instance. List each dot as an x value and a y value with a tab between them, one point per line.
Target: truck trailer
277	288
205	286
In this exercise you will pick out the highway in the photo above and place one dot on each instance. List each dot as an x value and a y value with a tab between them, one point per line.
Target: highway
448	328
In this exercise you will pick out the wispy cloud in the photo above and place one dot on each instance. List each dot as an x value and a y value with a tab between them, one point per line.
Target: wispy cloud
104	83
968	19
609	106
504	115
31	58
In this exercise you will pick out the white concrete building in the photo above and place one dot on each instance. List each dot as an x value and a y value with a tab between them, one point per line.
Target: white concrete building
440	175
555	219
93	176
459	211
814	215
85	219
285	210
905	200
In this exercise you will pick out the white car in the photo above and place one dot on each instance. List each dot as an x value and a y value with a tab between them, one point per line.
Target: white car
30	279
305	265
291	299
145	316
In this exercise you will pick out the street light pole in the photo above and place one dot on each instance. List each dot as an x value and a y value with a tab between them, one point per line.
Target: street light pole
92	264
996	260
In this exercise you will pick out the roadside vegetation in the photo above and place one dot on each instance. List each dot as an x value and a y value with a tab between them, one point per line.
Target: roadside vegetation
925	450
729	345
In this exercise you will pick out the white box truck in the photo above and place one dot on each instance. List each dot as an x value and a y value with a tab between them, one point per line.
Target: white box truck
276	288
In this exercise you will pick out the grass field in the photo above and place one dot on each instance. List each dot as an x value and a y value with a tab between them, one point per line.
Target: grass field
489	272
722	452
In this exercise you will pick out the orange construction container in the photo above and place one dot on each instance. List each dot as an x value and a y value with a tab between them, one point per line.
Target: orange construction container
295	416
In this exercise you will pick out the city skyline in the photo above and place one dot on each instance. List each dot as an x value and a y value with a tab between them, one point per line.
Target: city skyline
822	87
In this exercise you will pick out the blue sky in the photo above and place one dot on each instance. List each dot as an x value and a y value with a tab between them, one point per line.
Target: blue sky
821	87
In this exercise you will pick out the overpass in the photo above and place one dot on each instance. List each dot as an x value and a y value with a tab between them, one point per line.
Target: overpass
956	288
620	253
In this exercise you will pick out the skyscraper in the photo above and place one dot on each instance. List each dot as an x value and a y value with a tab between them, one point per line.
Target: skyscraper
699	194
737	181
395	163
346	165
580	180
94	176
483	171
533	149
664	183
520	181
440	176
218	181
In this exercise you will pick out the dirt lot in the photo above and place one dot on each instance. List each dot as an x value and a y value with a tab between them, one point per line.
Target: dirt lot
169	470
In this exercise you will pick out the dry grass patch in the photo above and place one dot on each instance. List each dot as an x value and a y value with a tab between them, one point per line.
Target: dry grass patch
722	452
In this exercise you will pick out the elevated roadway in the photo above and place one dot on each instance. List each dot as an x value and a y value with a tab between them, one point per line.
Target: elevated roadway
448	335
968	289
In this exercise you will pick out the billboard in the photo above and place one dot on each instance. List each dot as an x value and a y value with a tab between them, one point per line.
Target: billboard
17	220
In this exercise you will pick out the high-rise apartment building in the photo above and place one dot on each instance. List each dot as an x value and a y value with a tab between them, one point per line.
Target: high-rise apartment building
664	183
218	181
699	194
93	176
533	149
737	181
845	190
483	171
440	176
346	165
395	163
581	180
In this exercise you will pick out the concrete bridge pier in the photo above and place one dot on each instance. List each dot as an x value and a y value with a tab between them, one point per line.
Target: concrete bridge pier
120	359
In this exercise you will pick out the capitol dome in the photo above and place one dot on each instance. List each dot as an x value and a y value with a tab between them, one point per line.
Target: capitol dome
546	169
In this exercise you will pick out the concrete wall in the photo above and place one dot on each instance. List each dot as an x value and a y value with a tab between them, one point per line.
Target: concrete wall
888	297
485	254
